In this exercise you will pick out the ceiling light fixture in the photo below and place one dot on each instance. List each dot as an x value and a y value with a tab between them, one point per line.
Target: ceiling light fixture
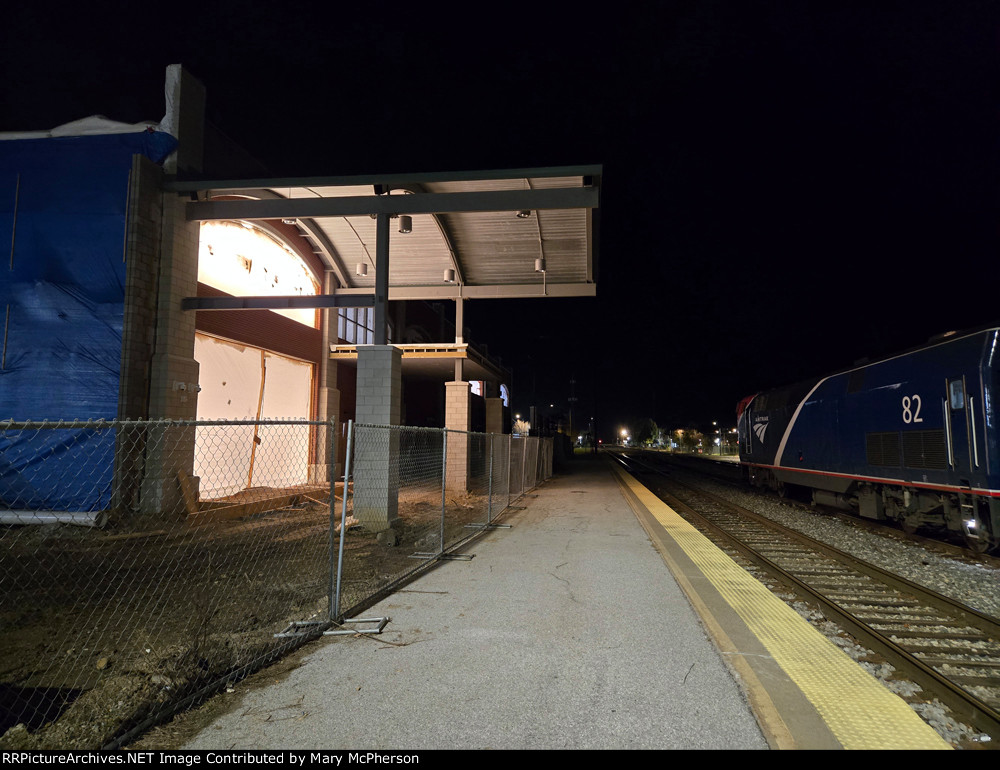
405	223
449	275
362	269
540	265
523	214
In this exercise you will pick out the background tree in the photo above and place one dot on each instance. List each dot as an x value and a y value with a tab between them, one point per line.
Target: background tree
687	439
647	433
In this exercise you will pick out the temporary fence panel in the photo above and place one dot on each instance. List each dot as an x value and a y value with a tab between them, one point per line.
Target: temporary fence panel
112	625
167	594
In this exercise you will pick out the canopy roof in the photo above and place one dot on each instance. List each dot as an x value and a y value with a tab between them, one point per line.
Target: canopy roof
489	227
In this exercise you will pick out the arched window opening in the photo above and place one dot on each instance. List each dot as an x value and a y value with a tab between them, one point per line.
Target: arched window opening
242	259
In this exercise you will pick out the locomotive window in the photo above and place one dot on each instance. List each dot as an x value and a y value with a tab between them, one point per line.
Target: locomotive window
957	394
776	399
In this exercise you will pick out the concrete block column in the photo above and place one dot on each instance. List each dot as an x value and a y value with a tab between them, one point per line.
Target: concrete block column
380	384
376	451
457	417
145	215
173	389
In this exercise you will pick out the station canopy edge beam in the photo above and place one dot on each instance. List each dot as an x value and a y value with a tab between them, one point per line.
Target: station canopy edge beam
486	291
417	203
279	302
593	172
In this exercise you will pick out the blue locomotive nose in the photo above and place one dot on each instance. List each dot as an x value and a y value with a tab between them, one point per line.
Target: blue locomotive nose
905	438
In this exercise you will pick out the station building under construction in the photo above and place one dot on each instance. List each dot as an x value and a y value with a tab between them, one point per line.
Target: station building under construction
150	279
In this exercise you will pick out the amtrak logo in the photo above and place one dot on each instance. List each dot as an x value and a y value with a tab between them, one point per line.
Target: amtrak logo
760	428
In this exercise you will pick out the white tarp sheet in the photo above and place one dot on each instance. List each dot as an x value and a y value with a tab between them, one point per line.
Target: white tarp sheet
235	380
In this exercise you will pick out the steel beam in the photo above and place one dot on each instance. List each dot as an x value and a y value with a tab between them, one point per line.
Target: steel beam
417	203
381	315
492	291
237	186
294	302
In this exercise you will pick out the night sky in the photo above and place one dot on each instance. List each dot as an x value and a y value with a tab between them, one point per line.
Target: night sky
788	187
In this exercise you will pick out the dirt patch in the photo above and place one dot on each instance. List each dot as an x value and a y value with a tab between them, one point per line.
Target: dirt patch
105	631
175	733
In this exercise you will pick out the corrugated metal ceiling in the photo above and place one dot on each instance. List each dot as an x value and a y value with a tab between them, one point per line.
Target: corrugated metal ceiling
492	251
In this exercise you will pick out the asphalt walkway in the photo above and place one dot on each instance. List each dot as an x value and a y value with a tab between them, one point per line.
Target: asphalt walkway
566	631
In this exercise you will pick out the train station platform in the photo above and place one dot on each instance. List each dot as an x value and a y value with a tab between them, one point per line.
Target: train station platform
599	620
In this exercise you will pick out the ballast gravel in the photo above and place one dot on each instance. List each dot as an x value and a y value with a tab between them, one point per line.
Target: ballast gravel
970	580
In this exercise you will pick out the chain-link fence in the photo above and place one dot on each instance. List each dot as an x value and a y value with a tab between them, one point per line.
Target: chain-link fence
145	564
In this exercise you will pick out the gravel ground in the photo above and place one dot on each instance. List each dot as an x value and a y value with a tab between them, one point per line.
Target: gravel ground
974	581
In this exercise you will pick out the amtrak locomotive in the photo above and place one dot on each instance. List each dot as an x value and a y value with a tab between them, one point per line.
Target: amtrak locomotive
911	438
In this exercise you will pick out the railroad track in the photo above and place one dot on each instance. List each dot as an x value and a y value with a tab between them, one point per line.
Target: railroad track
952	651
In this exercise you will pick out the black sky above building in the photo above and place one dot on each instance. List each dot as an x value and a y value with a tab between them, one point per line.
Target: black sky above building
788	187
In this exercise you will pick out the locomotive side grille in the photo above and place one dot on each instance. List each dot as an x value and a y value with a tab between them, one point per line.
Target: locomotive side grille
882	448
924	449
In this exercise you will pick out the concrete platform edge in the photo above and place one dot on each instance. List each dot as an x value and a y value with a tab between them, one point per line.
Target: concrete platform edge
787	715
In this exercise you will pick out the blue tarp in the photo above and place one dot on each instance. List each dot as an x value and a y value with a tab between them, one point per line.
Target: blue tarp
62	294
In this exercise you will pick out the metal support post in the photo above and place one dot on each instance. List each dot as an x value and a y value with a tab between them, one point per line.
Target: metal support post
524	463
332	583
489	499
381	312
335	613
444	483
301	628
510	458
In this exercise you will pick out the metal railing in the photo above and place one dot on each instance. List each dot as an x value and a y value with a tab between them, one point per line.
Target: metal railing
145	564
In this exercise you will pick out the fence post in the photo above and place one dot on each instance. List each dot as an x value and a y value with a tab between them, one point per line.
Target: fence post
335	608
489	499
332	476
524	464
444	482
510	462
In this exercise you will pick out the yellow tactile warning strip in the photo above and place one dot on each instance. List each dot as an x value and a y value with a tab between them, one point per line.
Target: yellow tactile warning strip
858	710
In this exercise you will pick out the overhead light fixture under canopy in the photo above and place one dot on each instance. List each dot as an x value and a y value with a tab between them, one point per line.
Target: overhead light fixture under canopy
362	269
405	223
449	275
